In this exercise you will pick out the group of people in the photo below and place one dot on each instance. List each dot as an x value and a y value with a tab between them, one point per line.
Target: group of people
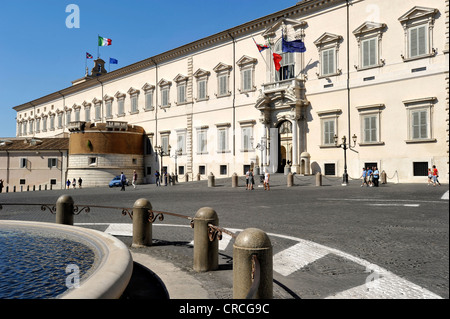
161	177
123	180
250	180
433	175
74	183
370	177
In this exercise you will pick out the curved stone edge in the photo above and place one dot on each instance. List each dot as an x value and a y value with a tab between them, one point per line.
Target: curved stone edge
111	276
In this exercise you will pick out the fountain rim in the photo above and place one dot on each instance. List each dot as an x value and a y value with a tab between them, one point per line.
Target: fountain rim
109	278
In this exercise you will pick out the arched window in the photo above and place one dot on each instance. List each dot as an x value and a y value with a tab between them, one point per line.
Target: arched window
287	70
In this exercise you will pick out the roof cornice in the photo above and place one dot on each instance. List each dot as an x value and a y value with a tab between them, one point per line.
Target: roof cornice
302	7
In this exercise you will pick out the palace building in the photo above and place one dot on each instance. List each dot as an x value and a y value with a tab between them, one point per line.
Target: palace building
371	89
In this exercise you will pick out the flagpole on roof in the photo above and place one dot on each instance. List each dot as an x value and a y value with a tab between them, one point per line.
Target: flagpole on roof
98	47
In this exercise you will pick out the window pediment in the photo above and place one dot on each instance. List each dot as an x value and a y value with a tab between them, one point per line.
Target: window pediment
108	98
148	87
119	95
327	38
133	91
201	73
368	27
180	78
222	67
283	23
417	13
164	82
246	60
86	104
96	101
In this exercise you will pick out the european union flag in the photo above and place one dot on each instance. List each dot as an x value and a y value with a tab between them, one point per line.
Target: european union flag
293	46
113	61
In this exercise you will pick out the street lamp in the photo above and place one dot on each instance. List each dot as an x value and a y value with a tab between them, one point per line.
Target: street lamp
262	147
161	152
178	152
345	146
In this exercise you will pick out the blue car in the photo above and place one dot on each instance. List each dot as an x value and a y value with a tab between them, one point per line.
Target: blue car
116	182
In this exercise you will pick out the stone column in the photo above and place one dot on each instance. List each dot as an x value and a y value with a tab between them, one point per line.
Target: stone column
142	227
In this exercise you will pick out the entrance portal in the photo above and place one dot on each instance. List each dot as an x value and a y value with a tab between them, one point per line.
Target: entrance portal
285	145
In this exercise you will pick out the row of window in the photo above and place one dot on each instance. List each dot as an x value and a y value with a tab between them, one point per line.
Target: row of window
204	139
419	122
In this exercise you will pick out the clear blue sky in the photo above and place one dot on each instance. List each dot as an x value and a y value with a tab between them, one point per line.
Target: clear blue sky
40	55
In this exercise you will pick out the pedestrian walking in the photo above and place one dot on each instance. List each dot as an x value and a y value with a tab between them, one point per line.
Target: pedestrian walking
364	177
430	177
134	179
165	178
435	176
123	180
1	185
376	176
266	181
68	183
80	181
251	180
74	183
246	179
157	178
369	176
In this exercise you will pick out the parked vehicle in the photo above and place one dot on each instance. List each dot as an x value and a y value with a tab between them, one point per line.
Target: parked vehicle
115	182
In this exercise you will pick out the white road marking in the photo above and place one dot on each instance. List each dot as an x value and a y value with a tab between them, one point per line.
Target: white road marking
393	204
445	196
384	284
296	257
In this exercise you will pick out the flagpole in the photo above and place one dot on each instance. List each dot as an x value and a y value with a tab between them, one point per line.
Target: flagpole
261	53
98	47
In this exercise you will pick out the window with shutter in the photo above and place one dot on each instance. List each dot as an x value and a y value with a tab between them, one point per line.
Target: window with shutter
369	53
328	62
417	41
328	132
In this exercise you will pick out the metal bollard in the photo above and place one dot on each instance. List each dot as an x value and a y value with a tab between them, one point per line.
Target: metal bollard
234	180
211	180
142	227
64	210
318	179
252	241
206	252
186	177
290	180
198	177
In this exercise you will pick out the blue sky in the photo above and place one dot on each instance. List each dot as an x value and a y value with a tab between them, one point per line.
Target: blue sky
40	55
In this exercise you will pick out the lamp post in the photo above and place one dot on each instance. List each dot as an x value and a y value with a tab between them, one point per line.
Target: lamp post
262	147
178	152
161	152
345	146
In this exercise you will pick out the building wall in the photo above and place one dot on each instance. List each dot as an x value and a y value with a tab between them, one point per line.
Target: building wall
36	173
352	91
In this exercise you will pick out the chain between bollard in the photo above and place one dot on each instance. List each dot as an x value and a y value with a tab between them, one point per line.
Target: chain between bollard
216	232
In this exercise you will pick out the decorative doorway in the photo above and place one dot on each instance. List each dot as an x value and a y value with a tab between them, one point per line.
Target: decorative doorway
285	145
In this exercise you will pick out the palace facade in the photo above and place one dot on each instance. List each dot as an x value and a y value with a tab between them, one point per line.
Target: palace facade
371	90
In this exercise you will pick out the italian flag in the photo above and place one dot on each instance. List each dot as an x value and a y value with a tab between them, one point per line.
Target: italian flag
103	42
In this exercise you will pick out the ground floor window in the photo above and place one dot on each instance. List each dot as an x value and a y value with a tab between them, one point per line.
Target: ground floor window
330	169
420	168
223	169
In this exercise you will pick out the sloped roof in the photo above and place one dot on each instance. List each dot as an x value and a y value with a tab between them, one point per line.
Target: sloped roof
30	144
